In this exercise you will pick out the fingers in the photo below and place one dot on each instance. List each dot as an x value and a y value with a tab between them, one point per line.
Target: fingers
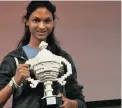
64	105
23	69
23	65
22	72
67	103
62	96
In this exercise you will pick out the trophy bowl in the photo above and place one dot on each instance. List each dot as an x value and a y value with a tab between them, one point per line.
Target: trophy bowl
47	67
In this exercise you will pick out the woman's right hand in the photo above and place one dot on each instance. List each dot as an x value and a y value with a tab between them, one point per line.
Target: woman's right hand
22	72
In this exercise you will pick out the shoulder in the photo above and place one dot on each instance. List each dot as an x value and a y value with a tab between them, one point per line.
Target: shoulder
9	58
16	52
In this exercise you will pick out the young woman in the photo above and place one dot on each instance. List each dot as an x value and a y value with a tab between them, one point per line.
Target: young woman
39	26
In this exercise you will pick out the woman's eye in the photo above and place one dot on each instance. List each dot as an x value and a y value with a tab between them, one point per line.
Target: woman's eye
48	21
35	20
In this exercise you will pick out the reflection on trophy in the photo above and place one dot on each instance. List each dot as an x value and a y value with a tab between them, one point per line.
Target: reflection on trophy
47	67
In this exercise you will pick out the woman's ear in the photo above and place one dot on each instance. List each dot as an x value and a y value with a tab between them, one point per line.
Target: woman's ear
24	20
55	22
27	23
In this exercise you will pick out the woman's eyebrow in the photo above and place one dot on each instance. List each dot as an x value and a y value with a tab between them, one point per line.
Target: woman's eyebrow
40	18
35	17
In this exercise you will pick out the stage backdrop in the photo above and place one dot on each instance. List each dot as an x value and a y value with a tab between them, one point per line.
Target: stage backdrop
88	30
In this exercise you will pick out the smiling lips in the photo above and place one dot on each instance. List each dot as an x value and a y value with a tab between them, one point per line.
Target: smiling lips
41	33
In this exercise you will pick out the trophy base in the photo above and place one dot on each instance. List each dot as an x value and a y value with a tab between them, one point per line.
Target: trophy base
51	101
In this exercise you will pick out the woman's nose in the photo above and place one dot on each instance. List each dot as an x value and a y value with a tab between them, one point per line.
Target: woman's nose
41	25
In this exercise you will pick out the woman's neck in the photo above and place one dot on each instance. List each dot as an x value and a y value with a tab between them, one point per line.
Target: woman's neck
34	43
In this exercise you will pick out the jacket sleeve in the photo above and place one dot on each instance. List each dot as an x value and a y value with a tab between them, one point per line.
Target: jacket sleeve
72	88
6	71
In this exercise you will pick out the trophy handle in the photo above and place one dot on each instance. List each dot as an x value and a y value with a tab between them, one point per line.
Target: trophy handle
34	82
68	73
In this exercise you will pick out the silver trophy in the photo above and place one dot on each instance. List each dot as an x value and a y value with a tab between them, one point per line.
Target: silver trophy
47	67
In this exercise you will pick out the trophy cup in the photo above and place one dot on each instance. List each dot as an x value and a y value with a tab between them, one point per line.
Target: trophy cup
47	67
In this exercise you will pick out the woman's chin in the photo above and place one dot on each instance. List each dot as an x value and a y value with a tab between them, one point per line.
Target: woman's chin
42	38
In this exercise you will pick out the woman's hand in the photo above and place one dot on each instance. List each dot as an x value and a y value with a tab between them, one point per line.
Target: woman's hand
67	103
22	72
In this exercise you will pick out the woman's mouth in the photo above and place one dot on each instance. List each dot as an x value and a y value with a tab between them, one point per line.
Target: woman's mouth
41	33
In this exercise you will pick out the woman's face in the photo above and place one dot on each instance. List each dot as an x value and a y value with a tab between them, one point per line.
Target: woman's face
40	23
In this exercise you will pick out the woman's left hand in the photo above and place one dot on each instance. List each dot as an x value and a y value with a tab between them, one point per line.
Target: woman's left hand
67	103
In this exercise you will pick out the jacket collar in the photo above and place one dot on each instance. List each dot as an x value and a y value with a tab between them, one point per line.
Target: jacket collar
19	53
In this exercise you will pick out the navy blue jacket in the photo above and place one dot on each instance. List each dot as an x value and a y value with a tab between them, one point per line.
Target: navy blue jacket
26	97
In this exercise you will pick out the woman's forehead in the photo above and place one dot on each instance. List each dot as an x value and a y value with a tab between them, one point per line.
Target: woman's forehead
41	12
